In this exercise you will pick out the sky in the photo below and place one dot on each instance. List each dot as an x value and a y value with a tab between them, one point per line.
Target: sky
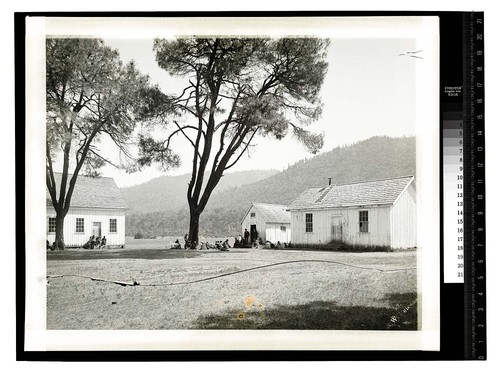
369	90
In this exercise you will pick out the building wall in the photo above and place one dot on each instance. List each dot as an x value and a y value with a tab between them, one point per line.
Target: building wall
267	231
258	220
274	233
71	238
323	219
404	220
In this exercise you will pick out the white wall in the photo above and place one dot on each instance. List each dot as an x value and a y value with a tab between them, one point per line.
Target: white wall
267	231
71	238
258	220
404	220
275	234
378	227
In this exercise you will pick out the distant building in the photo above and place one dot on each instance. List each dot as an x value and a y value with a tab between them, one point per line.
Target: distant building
372	213
97	208
271	222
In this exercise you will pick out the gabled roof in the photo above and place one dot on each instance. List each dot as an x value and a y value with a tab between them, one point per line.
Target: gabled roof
98	192
271	213
368	193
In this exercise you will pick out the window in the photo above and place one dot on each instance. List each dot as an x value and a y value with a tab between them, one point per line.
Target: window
363	221
112	226
309	223
252	214
283	228
80	225
52	224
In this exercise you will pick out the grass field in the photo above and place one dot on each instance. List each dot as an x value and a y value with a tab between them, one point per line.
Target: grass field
188	289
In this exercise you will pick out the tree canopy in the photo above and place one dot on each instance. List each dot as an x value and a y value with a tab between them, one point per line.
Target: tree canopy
235	90
90	94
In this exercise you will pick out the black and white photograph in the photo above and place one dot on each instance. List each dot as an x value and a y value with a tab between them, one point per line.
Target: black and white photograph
232	183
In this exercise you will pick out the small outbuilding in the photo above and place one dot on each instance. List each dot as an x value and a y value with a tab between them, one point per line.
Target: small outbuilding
97	208
380	213
271	222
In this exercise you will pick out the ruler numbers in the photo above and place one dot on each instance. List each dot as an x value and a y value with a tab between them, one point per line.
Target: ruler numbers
476	279
478	201
453	168
460	208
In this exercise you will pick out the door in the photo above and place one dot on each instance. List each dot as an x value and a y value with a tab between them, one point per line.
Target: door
253	232
336	229
96	229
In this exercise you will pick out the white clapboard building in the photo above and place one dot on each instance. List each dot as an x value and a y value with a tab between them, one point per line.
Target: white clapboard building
381	213
97	208
271	222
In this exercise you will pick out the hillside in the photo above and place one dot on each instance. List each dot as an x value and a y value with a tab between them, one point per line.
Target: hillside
168	193
374	158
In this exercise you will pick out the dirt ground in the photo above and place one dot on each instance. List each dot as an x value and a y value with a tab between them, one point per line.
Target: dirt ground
191	289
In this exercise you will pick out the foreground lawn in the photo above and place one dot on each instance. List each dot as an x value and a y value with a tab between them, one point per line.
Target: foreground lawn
213	290
402	315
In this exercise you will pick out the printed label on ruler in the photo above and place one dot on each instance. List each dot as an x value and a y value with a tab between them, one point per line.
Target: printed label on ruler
453	190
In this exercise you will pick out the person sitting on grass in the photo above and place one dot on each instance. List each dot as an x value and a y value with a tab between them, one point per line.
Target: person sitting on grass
176	245
256	244
238	241
88	244
103	242
225	245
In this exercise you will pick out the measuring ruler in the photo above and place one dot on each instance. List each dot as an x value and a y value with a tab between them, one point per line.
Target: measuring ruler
463	142
474	192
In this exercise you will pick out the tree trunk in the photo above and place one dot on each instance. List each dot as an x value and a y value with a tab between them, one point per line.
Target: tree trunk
194	226
59	242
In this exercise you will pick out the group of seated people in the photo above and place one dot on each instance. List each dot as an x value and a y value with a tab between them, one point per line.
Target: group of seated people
187	245
225	246
219	245
259	244
92	243
95	242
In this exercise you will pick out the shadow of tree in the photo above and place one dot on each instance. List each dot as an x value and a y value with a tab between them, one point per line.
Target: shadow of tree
122	254
400	315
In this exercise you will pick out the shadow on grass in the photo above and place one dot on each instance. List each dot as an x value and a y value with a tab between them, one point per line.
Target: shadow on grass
401	315
122	254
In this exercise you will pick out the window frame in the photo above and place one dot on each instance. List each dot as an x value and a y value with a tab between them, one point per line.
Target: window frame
80	224
115	225
364	222
252	215
309	223
52	223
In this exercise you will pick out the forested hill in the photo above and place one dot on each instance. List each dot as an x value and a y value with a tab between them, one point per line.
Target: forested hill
168	193
374	158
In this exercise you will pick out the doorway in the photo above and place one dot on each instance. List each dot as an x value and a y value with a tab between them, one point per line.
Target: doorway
96	229
336	229
253	232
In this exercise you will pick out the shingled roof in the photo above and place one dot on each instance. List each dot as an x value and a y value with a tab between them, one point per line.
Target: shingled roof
99	192
271	213
368	193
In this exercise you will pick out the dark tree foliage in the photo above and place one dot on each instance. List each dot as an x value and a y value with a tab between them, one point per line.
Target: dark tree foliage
236	89
90	94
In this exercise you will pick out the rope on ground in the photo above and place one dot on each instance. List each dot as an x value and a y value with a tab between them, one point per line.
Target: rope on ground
135	283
